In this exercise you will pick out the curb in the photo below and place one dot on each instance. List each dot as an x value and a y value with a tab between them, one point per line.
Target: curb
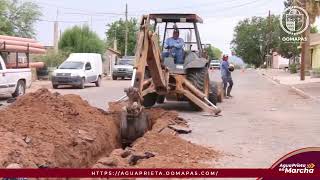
302	93
274	80
297	90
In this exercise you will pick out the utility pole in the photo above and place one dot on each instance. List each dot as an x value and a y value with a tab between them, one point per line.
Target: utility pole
269	42
303	53
126	36
115	44
91	22
56	33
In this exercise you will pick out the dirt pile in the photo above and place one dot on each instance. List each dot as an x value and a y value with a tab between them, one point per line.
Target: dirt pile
161	147
45	129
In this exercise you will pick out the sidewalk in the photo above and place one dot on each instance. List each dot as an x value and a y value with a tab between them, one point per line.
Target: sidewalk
309	88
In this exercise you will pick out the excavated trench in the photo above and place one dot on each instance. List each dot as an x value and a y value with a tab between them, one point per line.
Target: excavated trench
44	129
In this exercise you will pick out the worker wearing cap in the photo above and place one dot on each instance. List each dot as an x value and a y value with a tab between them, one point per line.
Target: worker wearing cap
175	47
226	76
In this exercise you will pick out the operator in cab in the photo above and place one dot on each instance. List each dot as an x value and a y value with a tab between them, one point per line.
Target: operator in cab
175	45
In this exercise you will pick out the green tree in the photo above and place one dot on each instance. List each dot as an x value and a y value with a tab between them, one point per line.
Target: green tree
18	18
116	31
252	39
4	27
213	52
81	40
314	29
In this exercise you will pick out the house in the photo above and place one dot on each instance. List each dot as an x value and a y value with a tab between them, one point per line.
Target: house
111	57
279	62
315	50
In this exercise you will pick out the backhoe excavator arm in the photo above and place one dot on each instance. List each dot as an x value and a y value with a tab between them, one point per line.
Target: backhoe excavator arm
148	54
134	121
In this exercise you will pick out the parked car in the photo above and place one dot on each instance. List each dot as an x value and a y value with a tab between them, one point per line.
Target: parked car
123	69
14	81
215	64
77	70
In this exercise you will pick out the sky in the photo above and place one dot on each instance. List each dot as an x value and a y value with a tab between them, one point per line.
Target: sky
220	16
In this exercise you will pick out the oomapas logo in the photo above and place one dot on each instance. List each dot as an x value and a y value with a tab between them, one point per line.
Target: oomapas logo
296	168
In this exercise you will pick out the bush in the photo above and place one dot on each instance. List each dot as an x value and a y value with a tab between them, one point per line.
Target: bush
264	66
316	70
249	66
293	68
315	73
52	59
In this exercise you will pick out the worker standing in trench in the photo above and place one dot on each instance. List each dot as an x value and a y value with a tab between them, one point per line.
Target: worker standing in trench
226	70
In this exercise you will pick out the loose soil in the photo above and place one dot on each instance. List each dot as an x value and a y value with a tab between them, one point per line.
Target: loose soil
47	129
164	144
44	129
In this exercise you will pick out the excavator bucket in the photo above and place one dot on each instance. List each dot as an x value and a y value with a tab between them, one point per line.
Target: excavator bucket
134	121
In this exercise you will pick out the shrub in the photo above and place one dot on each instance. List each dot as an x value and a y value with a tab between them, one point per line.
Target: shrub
52	59
316	70
293	68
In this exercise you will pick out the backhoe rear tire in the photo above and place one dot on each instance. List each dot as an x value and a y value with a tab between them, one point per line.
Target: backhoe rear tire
200	79
220	92
213	95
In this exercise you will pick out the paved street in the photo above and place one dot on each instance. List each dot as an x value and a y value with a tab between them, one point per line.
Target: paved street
263	121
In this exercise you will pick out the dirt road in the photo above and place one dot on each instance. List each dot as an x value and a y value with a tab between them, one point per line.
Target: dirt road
263	121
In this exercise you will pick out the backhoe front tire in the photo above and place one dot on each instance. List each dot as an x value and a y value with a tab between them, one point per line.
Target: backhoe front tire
160	99
149	100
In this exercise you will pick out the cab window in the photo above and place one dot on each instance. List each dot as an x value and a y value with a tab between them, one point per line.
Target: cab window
0	66
88	66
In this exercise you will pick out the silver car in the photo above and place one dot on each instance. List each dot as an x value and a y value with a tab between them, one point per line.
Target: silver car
123	69
215	64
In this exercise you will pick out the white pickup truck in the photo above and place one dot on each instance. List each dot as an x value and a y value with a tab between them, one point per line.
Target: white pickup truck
14	81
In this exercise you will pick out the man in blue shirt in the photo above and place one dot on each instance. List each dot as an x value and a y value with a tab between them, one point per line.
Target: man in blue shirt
226	76
175	47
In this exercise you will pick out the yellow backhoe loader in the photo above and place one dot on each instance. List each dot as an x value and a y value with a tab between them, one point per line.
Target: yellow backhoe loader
156	78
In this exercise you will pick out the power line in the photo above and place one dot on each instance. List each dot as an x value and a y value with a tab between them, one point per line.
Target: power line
216	6
89	14
237	6
191	6
86	12
62	21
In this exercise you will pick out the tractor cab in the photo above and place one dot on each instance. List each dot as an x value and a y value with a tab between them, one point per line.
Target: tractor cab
192	51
